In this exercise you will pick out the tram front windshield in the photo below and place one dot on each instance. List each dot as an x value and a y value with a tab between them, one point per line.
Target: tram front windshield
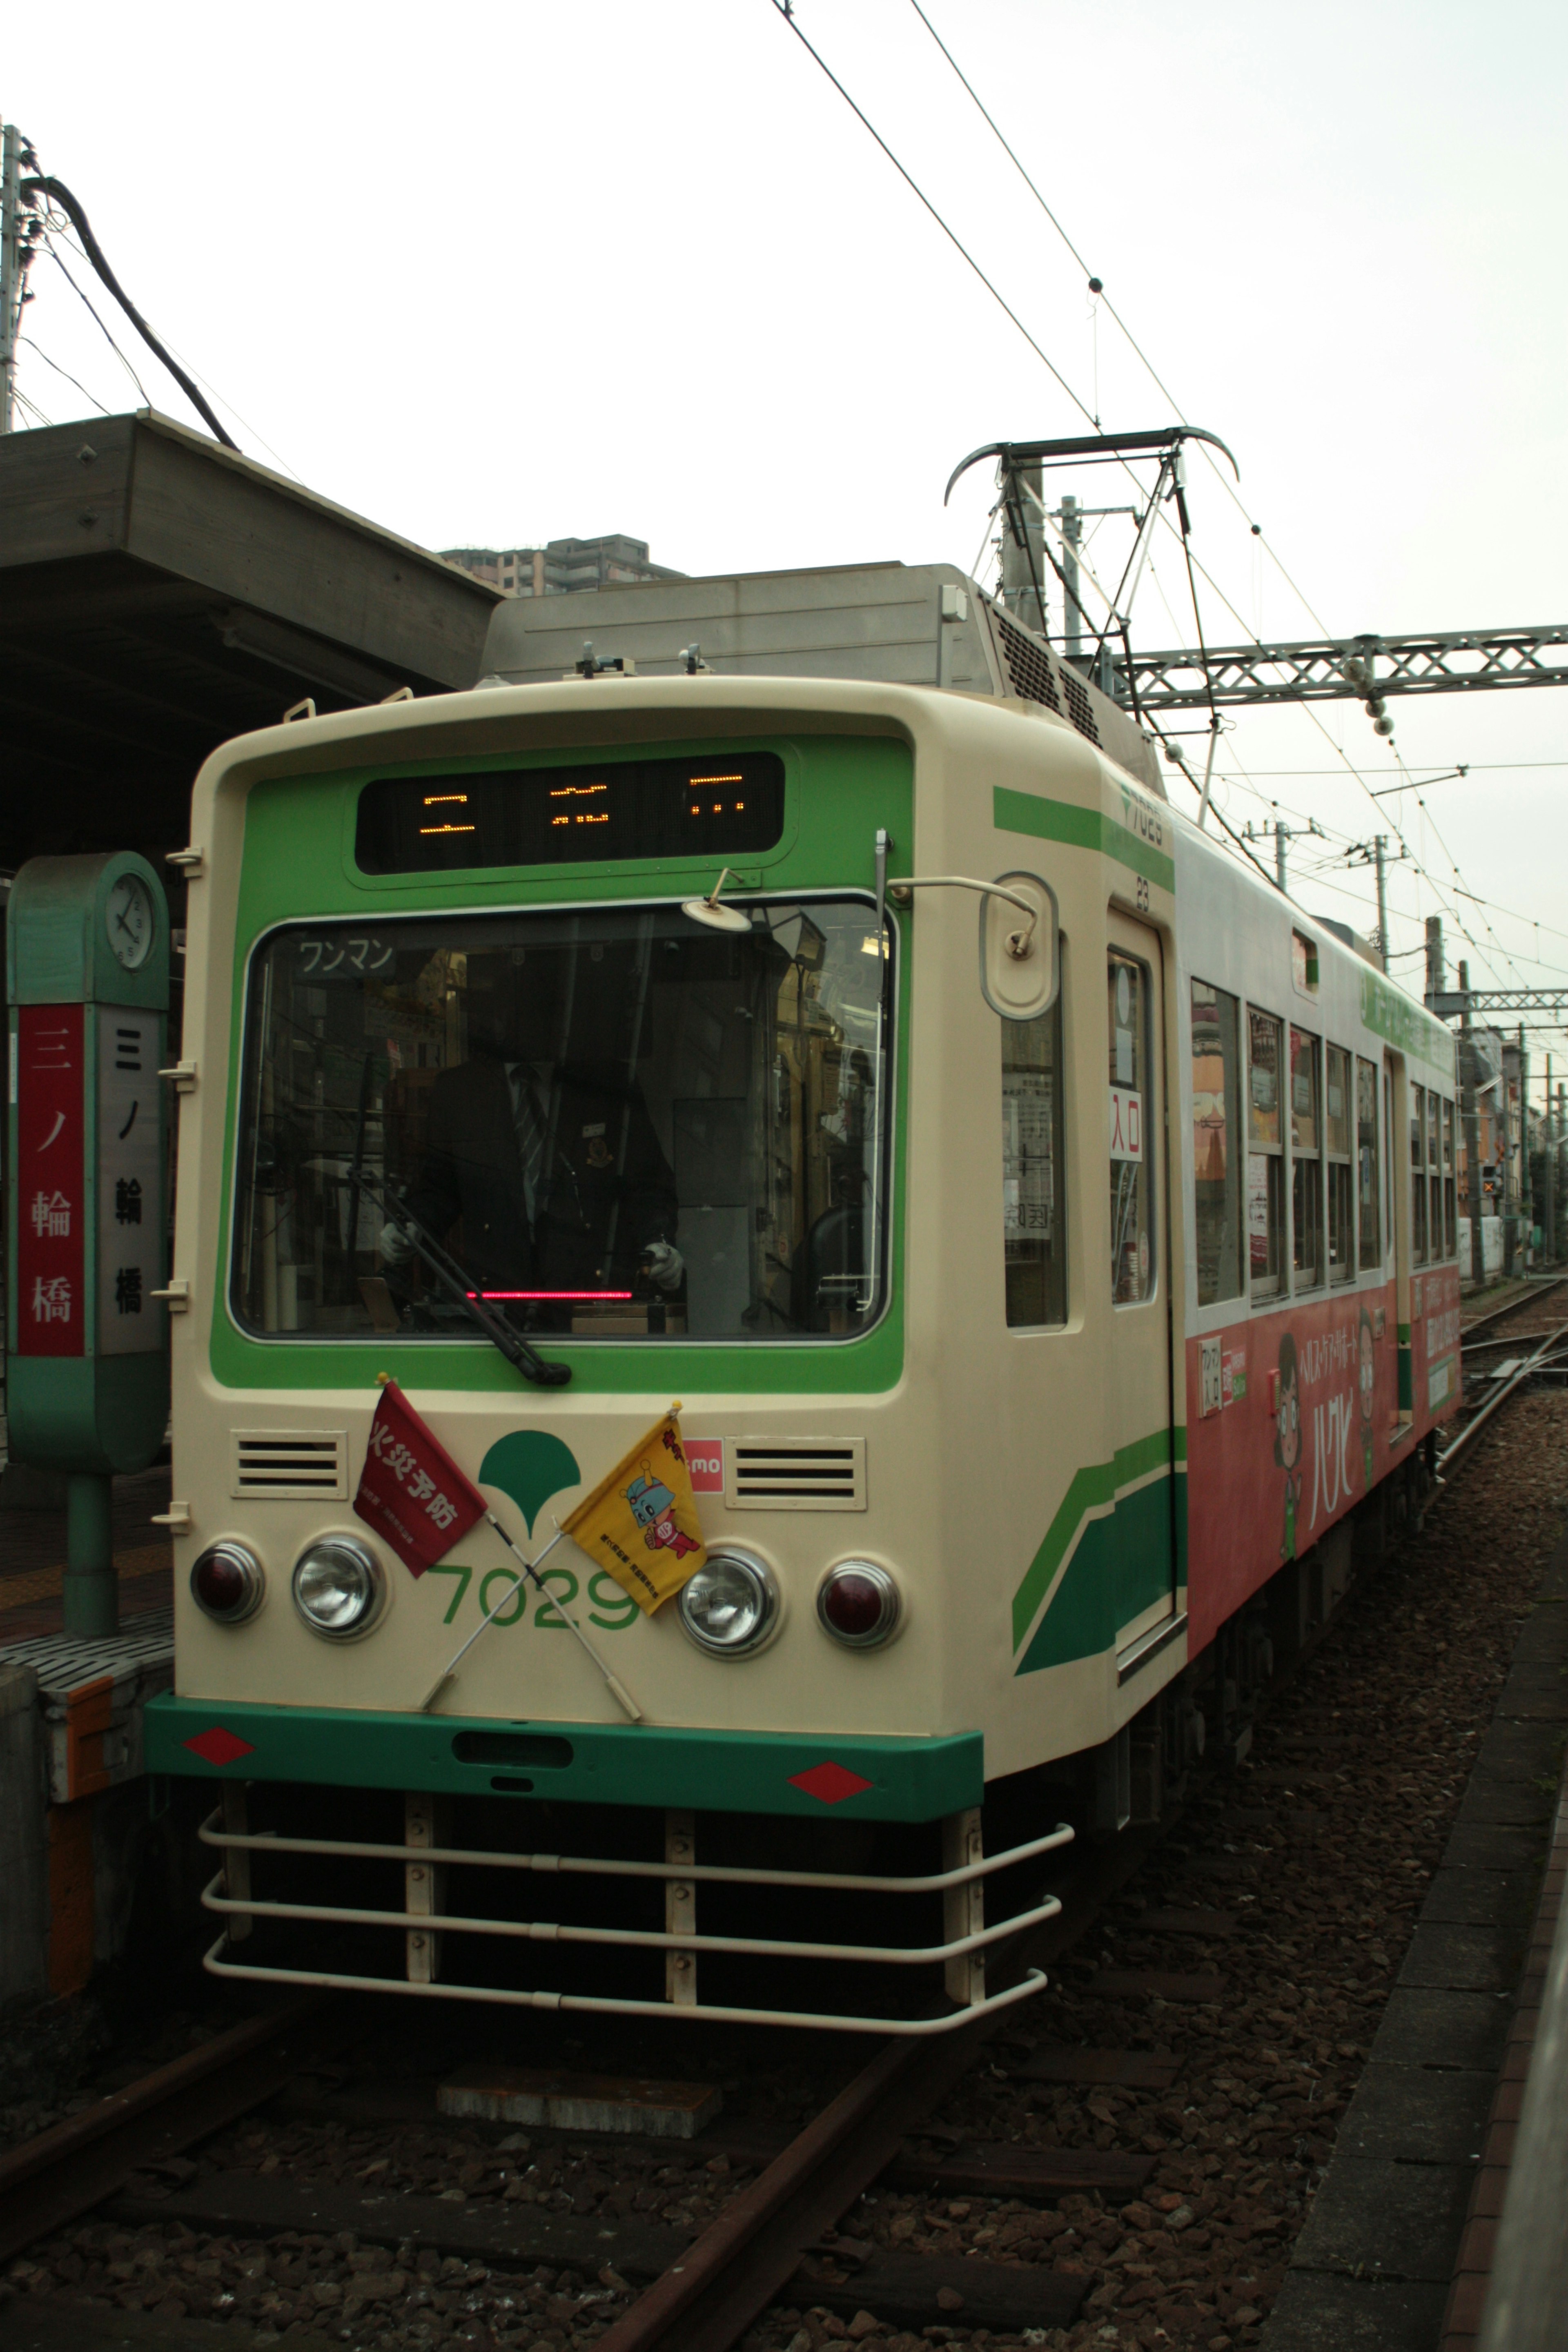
618	1124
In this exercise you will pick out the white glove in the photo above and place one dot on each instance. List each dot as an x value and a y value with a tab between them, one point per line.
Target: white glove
393	1244
665	1265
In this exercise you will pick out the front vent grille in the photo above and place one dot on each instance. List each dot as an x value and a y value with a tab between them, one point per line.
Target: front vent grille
1028	663
1081	709
290	1464
804	1473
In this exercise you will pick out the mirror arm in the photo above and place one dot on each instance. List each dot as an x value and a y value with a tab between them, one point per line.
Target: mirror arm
1018	942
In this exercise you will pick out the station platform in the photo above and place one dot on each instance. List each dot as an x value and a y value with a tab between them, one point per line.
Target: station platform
77	1835
1397	2252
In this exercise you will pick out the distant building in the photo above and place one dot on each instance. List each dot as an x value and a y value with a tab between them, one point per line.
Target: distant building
562	565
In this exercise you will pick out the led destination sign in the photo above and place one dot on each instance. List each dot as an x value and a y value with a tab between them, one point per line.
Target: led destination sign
728	806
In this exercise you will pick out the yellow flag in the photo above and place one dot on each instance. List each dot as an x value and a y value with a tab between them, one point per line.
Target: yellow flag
640	1522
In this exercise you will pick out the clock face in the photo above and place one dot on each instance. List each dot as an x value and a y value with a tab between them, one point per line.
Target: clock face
129	920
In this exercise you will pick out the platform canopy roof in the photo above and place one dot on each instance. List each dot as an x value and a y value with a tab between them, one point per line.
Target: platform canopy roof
158	595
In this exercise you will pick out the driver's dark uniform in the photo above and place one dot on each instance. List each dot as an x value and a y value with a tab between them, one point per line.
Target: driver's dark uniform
556	1174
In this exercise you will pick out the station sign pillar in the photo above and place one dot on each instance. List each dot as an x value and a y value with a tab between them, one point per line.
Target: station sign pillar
86	987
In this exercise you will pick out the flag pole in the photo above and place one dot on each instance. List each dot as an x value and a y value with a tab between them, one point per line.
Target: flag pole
618	1691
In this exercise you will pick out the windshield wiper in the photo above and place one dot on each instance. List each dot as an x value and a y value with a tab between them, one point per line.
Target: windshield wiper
450	1276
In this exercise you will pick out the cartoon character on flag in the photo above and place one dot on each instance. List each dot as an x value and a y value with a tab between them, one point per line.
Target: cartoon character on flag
640	1521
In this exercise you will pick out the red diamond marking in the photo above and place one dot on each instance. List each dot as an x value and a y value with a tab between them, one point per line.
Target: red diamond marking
829	1783
219	1746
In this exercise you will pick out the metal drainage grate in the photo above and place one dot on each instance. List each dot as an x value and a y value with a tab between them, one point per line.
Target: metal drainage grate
805	1474
287	1463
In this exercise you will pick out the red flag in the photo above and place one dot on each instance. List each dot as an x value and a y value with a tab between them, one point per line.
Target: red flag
411	1491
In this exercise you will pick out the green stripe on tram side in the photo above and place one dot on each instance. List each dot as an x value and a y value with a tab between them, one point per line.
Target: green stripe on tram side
1079	1621
904	1780
298	865
1407	1370
1081	828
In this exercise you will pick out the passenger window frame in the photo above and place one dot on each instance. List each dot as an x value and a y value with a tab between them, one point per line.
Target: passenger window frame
1272	1285
1225	1005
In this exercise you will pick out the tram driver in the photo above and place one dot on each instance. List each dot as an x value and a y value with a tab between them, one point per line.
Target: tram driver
551	1164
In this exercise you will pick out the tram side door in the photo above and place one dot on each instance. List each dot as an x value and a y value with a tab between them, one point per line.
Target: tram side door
1143	1552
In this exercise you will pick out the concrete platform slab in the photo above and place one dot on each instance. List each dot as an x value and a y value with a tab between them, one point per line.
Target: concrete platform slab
1478	1898
1495	1845
1515	1750
1312	2314
1418	2115
1422	2027
1373	2216
1462	1959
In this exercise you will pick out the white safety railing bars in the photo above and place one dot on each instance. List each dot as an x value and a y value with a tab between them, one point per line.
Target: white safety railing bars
427	1920
590	1865
552	1931
822	2021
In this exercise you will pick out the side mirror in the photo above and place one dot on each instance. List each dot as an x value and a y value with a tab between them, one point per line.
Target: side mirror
1020	960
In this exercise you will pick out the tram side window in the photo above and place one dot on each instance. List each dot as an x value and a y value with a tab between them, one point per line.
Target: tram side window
1305	1160
1341	1180
1216	1141
1132	1195
1265	1155
1390	1156
1418	1176
1034	1239
1450	1187
1367	1186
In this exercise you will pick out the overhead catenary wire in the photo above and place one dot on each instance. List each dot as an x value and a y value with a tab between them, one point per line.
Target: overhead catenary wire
49	363
784	9
1097	287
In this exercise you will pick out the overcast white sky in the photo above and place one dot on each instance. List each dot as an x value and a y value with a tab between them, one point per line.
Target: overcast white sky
497	274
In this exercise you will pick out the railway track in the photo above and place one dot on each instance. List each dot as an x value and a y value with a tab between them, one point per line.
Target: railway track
1530	1296
1135	2150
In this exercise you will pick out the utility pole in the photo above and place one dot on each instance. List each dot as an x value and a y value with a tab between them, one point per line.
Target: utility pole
1472	1119
1549	1171
1072	540
1375	853
1436	969
1526	1211
10	267
1284	834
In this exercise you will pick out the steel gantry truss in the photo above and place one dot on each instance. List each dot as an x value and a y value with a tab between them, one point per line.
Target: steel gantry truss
1458	661
1452	1003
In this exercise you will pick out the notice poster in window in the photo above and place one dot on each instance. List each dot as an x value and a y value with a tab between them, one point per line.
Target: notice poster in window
1027	1186
1257	1213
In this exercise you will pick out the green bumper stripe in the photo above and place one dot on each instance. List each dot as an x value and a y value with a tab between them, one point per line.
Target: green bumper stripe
907	1780
1081	828
1090	1490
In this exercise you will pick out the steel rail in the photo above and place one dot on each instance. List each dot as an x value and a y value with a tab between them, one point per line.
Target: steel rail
742	2261
1511	1306
1472	1429
50	2179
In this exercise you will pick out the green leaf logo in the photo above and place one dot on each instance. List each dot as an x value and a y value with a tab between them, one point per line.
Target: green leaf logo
529	1465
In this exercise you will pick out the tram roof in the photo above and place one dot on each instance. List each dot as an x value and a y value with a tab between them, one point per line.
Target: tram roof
159	593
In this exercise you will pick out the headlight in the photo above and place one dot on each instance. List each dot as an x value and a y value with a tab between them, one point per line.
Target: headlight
228	1583
857	1603
730	1607
340	1589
